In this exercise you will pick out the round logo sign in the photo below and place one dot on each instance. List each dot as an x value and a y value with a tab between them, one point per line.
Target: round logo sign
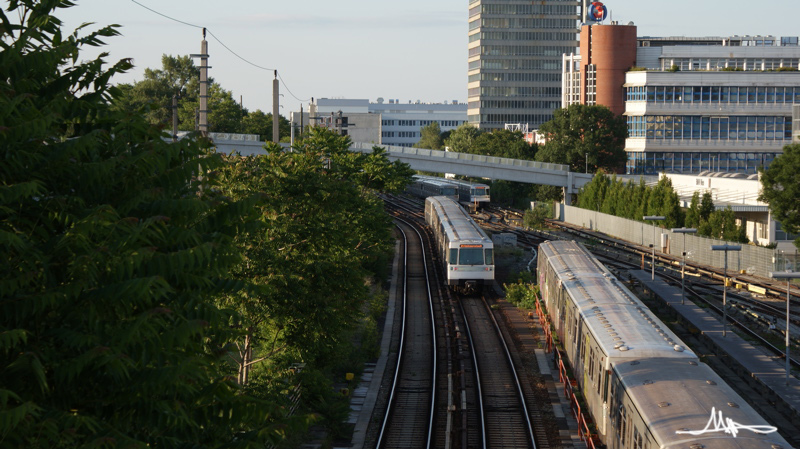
597	12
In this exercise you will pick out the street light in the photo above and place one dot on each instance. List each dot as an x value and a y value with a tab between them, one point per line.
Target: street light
788	276
683	231
725	248
654	218
586	161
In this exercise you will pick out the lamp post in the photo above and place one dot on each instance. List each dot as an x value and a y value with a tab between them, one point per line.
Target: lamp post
654	218
586	162
788	276
725	248
683	231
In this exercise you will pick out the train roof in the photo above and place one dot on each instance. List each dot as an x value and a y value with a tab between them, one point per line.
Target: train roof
677	395
622	325
467	183
460	226
433	181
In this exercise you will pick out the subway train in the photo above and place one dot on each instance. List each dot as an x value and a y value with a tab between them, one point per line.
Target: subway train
425	186
471	193
466	252
643	387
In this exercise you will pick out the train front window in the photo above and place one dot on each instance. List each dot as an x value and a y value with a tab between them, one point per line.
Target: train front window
453	255
488	256
470	256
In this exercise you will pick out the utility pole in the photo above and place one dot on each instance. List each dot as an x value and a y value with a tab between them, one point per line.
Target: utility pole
203	121
275	107
175	118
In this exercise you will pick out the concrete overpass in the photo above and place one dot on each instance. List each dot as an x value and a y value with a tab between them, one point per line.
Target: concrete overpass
436	161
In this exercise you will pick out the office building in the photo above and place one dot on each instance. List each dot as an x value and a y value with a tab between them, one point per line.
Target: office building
514	62
383	122
697	104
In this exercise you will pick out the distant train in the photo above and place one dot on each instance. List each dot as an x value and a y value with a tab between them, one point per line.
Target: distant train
472	193
466	252
643	387
467	193
425	186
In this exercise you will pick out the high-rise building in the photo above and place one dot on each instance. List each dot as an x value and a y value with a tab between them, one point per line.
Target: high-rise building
515	50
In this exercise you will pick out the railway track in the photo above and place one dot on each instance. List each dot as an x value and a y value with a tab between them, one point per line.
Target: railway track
408	421
501	412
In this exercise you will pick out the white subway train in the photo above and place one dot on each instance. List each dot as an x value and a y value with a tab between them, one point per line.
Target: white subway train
466	252
643	387
425	186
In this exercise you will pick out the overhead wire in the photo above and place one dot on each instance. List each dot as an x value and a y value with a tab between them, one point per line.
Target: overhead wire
224	46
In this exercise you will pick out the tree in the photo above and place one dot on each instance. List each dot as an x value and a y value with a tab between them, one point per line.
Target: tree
430	137
154	93
781	189
461	139
535	218
260	123
113	257
503	143
580	132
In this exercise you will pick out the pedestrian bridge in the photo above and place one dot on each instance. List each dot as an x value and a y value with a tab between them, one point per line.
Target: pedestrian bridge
436	161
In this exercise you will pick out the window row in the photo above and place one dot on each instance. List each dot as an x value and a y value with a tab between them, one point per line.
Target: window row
519	50
651	163
714	94
714	128
499	120
516	91
517	77
552	10
517	64
569	38
407	134
745	64
520	104
515	24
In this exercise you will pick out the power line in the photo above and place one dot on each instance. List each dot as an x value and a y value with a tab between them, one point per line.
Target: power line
223	45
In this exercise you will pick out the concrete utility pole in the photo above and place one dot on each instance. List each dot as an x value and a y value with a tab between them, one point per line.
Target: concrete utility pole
275	107
203	122
175	118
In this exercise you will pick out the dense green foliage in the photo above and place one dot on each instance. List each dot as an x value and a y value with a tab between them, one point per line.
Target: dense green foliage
612	196
431	137
581	135
535	217
781	189
522	294
137	270
109	336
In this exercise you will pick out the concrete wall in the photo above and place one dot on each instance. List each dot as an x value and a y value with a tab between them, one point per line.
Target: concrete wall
759	260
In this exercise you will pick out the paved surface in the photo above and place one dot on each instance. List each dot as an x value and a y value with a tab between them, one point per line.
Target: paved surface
767	373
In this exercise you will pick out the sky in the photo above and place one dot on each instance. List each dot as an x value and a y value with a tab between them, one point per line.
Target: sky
366	49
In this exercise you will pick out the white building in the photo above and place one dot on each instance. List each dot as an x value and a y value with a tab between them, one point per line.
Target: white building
708	103
384	123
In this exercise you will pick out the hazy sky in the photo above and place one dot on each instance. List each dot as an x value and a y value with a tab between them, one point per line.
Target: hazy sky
409	50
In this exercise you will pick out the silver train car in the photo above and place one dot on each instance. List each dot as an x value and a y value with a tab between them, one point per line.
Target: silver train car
425	186
643	387
466	252
473	193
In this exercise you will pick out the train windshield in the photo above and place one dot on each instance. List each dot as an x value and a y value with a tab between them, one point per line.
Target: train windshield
453	255
470	256
488	256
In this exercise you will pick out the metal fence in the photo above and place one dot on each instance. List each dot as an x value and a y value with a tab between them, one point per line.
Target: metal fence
754	260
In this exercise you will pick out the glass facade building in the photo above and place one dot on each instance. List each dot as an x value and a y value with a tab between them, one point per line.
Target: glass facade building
693	121
514	65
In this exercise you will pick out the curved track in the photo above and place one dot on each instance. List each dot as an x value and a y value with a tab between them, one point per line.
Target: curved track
408	422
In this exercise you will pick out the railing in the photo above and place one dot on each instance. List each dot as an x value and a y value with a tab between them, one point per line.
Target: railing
584	432
462	156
